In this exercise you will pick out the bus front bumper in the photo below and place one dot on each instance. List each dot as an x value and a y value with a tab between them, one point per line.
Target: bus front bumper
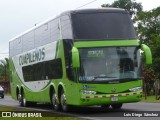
105	99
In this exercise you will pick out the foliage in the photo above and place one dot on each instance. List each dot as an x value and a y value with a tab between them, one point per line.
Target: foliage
149	25
149	33
4	69
130	5
149	78
148	30
150	99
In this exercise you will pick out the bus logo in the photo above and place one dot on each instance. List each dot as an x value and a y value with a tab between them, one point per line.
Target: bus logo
85	87
113	90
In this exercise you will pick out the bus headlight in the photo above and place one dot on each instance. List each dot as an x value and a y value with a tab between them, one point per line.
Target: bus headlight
87	92
135	89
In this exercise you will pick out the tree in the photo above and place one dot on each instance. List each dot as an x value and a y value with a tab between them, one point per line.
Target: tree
149	25
149	33
132	6
148	30
4	69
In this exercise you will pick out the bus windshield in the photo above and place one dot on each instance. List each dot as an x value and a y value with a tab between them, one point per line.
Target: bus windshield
103	26
110	64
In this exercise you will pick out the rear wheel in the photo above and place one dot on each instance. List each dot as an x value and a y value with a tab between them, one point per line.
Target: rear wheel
22	100
116	106
54	101
25	103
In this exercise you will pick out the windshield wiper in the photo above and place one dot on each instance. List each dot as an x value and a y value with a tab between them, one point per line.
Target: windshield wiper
102	76
129	78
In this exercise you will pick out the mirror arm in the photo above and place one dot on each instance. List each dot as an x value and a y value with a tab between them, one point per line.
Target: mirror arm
148	53
75	57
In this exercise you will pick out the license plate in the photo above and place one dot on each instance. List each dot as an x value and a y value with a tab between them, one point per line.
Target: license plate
114	98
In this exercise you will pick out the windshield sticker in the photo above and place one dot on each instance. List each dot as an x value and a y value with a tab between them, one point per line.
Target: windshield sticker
85	87
87	78
96	53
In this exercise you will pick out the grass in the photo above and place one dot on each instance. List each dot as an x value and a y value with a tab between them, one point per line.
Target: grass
12	109
151	99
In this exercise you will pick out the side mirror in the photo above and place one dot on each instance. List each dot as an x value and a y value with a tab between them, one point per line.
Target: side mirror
75	58
148	53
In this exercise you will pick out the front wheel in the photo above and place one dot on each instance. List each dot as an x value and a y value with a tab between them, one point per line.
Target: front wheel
64	105
116	106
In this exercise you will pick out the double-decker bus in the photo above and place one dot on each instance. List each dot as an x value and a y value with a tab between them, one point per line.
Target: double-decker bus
82	57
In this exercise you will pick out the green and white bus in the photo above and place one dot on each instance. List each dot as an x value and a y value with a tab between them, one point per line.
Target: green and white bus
82	57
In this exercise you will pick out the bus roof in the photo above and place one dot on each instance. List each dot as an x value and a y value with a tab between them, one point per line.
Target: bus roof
109	10
98	10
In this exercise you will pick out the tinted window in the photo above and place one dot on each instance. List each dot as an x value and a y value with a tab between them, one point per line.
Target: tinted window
66	27
43	70
68	44
42	35
109	64
28	41
103	26
54	29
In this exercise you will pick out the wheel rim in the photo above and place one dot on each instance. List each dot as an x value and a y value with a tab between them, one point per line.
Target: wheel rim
54	100
24	102
63	101
20	99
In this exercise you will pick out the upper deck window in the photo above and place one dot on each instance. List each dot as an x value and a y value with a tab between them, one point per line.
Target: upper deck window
89	26
66	27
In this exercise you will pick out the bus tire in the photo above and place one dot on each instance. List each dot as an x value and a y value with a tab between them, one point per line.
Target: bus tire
54	101
65	107
105	107
22	100
116	106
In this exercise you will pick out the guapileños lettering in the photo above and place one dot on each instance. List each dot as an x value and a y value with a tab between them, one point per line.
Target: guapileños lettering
34	56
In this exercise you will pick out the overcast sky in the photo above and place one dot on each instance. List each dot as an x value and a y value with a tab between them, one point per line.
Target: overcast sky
16	16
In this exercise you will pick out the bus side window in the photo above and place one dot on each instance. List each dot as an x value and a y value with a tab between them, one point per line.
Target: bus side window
67	37
67	44
54	69
43	71
66	27
57	68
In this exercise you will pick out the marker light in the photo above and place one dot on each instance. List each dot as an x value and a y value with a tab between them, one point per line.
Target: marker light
87	92
135	89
